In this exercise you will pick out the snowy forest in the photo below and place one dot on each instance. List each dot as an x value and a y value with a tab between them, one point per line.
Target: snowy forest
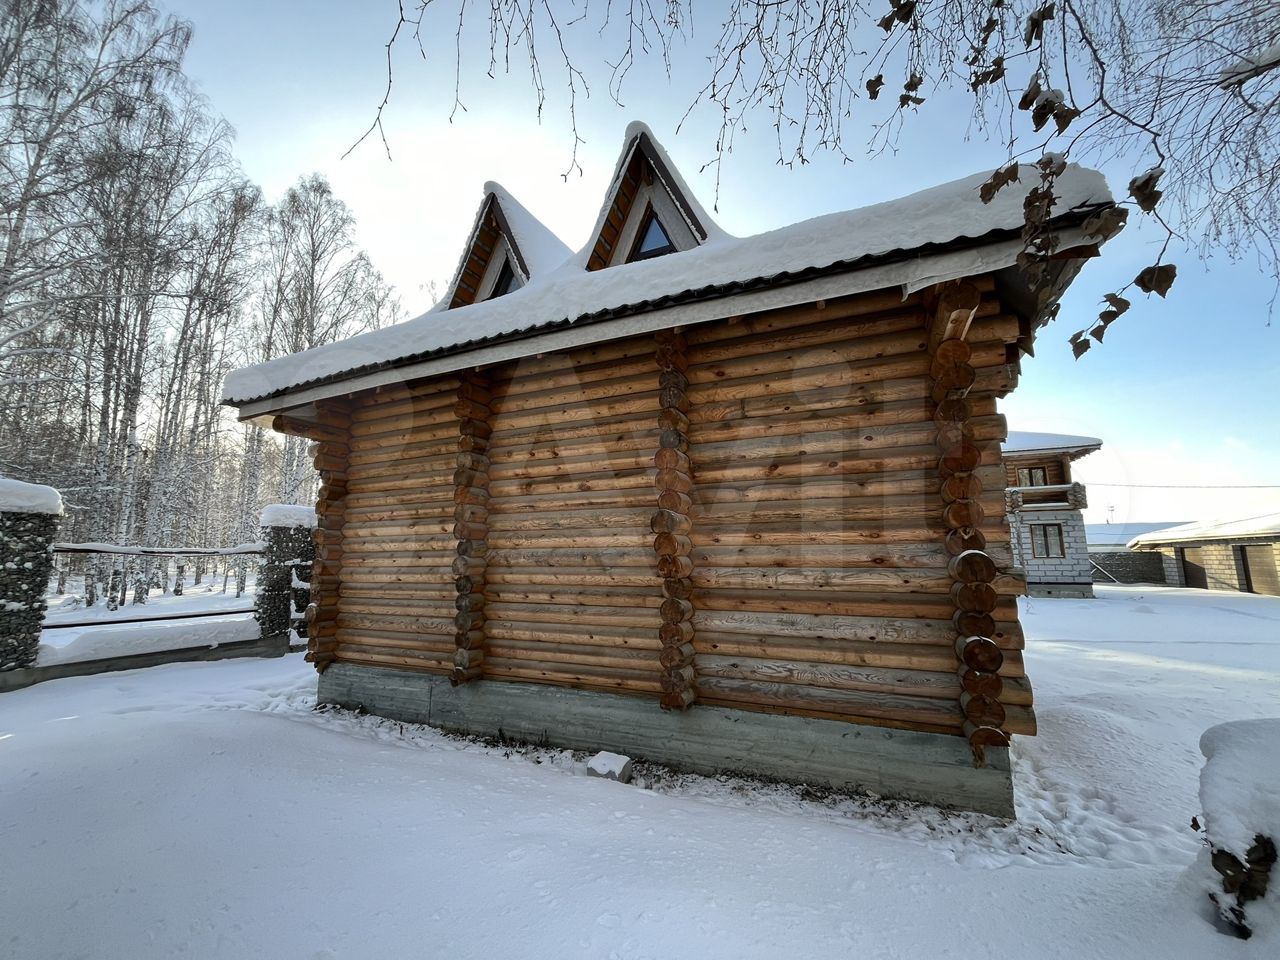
137	266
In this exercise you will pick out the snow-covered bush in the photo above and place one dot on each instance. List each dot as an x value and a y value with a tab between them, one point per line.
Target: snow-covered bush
1240	800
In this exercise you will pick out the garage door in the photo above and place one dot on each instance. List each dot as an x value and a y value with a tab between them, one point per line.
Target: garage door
1260	562
1193	572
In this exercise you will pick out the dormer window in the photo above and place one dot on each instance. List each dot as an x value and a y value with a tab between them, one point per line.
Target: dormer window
507	281
651	239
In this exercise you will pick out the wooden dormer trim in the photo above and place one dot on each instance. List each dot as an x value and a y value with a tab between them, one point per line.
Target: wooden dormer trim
487	239
645	166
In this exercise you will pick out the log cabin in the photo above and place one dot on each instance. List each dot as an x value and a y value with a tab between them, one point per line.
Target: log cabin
727	504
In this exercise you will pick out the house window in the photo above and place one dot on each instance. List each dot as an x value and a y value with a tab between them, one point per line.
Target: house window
1046	540
651	239
1032	477
507	281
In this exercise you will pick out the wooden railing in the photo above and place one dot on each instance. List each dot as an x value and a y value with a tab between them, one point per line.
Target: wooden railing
1068	495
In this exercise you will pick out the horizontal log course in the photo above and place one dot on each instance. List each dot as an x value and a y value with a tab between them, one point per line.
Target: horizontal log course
887	510
426	393
915	683
880	461
409	624
623	485
416	562
520	382
818	331
431	500
435	646
576	394
779	443
905	580
584	634
844	702
762	551
632	662
375	655
388	443
439	604
836	603
436	464
570	413
309	430
762	332
828	410
576	677
932	658
597	465
838	629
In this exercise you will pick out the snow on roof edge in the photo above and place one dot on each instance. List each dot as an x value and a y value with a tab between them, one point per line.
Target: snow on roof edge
1264	525
1025	441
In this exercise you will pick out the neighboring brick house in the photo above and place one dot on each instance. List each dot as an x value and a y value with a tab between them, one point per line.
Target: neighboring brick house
1044	507
1240	555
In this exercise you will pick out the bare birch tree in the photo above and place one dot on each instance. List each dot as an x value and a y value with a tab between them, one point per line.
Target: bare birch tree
1185	92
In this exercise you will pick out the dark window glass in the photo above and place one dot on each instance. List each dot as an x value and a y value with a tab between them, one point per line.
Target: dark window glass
507	281
651	239
1046	540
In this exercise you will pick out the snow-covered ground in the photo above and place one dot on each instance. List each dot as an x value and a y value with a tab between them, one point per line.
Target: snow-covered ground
206	810
109	635
207	597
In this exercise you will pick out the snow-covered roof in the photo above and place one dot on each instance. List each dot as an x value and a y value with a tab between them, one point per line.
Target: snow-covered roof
1119	534
913	233
1262	527
19	497
1021	441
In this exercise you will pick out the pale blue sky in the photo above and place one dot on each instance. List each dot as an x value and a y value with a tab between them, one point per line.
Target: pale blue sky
1183	392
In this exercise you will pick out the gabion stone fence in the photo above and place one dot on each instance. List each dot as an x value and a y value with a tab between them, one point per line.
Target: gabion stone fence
284	580
29	517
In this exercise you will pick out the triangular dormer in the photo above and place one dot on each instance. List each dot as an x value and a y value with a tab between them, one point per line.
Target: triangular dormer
648	211
507	247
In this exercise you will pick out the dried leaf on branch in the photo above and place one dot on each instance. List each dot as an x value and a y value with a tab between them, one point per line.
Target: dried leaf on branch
1157	278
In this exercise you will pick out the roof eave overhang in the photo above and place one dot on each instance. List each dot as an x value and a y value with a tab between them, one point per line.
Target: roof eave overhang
953	260
1075	453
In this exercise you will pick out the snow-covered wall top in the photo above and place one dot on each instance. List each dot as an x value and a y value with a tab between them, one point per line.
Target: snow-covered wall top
1240	787
288	515
570	293
1267	525
1021	441
19	497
